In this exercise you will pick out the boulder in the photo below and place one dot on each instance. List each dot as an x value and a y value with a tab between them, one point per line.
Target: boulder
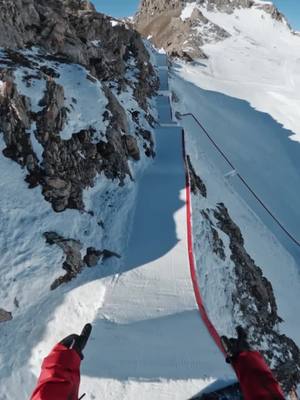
92	256
5	315
131	147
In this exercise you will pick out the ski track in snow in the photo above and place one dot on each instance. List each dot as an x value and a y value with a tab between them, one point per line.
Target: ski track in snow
156	343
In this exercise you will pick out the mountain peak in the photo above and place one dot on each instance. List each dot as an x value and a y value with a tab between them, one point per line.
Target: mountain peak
183	27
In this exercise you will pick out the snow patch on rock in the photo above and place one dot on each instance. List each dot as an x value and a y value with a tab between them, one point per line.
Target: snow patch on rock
188	11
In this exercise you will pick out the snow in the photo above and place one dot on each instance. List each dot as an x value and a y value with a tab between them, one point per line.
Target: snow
258	63
154	341
90	102
84	98
37	147
29	266
271	158
115	23
246	95
96	43
2	87
215	276
188	11
34	89
148	339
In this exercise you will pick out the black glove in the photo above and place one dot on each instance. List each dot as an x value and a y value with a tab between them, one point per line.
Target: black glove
78	342
233	347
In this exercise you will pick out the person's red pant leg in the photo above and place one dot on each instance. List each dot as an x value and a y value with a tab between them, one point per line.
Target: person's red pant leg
60	376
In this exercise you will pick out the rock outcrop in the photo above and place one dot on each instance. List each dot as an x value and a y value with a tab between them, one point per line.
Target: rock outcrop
254	300
72	32
74	262
184	35
73	29
197	185
252	296
5	315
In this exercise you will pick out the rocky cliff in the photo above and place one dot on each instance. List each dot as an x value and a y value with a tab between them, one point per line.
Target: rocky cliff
253	300
181	28
75	98
70	32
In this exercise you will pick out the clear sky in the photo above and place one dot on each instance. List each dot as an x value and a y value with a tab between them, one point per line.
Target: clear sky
117	8
122	8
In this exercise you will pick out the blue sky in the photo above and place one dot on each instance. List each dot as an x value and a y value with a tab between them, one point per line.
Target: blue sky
122	8
117	8
291	9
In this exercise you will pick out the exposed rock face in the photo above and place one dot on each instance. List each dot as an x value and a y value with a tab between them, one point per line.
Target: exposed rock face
253	298
71	28
259	308
275	13
15	119
54	114
197	185
5	315
161	20
93	256
71	31
184	36
74	262
68	166
254	301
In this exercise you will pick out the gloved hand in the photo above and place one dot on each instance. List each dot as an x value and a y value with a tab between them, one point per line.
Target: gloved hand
78	342
233	347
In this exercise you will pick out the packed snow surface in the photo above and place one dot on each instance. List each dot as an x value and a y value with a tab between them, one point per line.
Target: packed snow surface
259	63
226	118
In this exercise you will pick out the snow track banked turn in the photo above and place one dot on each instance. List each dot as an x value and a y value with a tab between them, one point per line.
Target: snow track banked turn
156	342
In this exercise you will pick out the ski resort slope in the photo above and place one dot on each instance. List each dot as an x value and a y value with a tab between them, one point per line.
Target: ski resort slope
259	63
150	340
246	95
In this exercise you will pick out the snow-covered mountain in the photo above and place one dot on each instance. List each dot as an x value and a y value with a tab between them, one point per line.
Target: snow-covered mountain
76	121
93	200
227	54
182	27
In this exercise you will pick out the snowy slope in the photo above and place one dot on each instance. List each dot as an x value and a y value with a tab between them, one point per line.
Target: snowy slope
28	265
259	147
256	65
148	339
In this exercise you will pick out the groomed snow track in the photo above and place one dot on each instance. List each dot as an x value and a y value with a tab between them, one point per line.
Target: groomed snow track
155	341
163	64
